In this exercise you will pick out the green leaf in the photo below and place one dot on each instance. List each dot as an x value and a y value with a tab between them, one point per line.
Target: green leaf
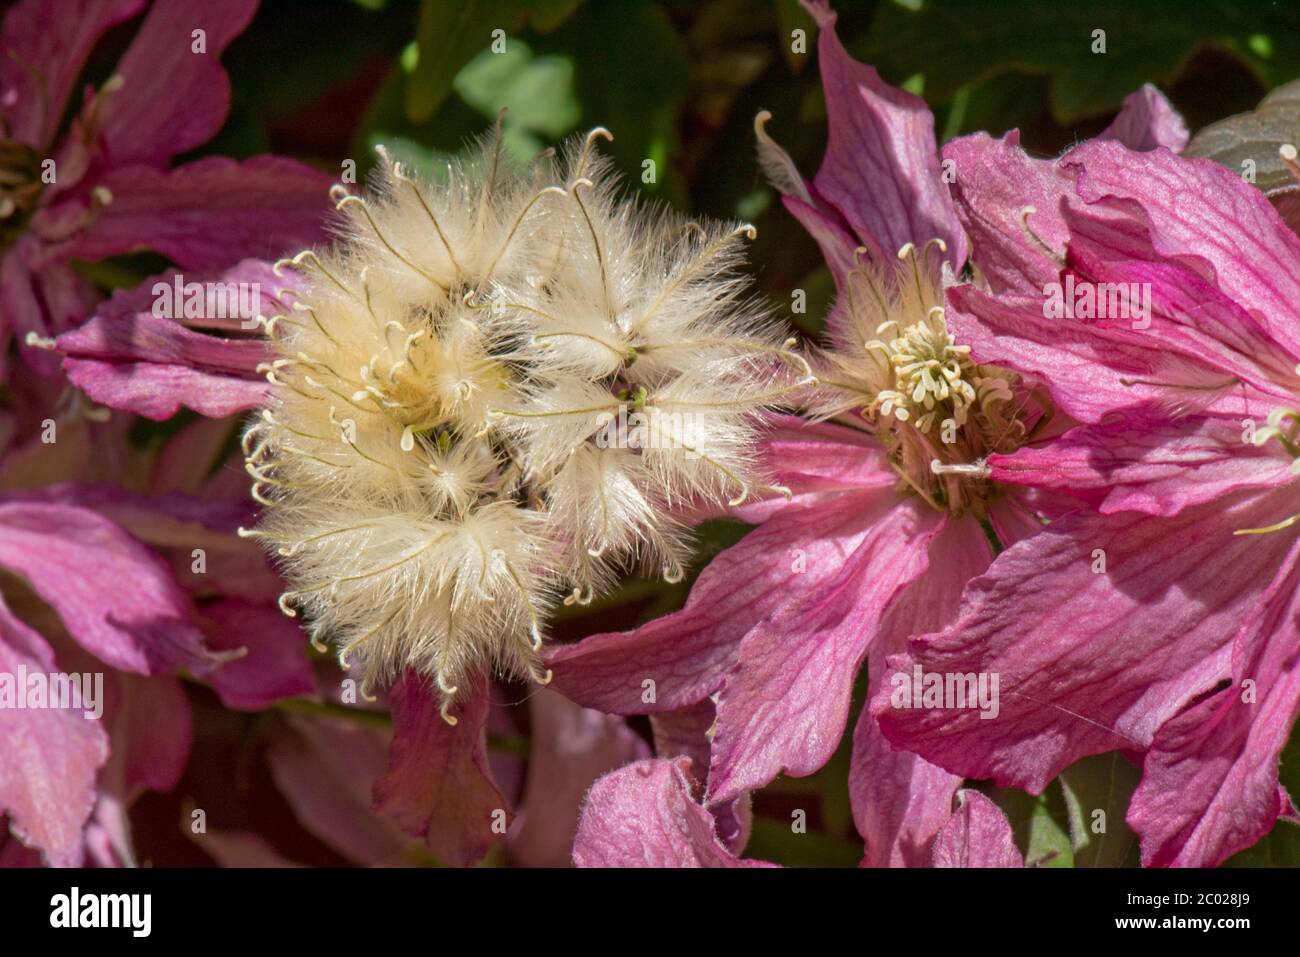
1039	826
956	42
1097	791
1248	143
536	91
449	35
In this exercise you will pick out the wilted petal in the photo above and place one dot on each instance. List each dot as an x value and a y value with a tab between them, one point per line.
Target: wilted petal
1099	629
438	785
117	598
572	747
644	815
977	835
1147	121
49	757
1210	781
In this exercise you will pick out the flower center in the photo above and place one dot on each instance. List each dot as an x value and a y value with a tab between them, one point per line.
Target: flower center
20	188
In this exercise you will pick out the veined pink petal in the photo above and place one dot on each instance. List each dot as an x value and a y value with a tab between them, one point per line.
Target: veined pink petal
174	96
684	655
438	785
210	213
572	747
158	391
1137	462
995	181
881	170
45	46
1099	629
644	815
784	704
1205	216
49	757
1147	121
1210	781
977	835
117	598
900	800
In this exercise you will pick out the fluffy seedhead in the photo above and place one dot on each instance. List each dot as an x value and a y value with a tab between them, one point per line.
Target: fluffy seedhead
498	391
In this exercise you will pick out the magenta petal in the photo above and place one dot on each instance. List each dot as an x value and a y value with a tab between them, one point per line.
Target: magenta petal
1147	121
900	800
572	747
152	734
644	815
157	392
1146	464
273	662
174	97
45	46
686	654
881	170
977	835
995	182
1210	781
438	785
1088	658
49	757
210	213
116	597
785	703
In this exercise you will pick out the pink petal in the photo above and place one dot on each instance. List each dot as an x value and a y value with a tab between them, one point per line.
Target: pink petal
644	815
784	704
1147	121
273	663
438	785
326	769
1210	781
995	180
173	98
900	801
1140	463
1088	661
210	213
1204	215
572	747
152	734
117	598
977	835
881	170
49	757
158	391
45	46
685	654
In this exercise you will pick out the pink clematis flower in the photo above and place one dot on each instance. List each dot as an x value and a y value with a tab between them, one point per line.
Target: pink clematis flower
1161	619
107	188
890	514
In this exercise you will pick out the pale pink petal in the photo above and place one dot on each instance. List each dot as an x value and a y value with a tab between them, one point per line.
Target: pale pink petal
1147	121
644	815
438	785
174	97
1099	629
1210	781
680	658
784	704
881	170
977	835
117	598
571	748
49	757
42	50
210	213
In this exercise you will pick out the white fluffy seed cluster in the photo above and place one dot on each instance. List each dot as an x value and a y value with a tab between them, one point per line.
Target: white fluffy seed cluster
500	390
